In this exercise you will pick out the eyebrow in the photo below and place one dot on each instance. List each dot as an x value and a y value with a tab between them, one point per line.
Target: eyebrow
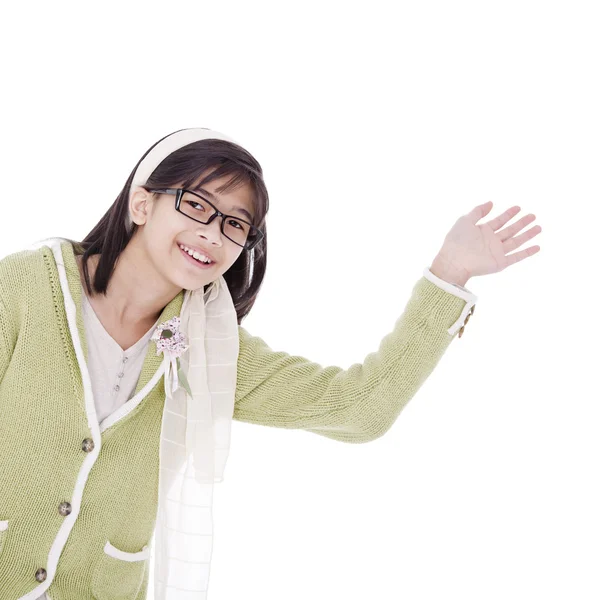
212	197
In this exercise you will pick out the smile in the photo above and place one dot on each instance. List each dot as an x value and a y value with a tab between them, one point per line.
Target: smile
195	261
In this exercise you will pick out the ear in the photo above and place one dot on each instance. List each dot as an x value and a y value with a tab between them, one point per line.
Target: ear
139	204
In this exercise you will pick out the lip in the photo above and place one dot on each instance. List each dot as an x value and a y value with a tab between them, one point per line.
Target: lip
198	249
195	262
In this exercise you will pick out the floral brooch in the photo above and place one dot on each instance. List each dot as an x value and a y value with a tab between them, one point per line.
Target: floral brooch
173	343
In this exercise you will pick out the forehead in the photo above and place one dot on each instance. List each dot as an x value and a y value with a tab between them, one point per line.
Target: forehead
241	196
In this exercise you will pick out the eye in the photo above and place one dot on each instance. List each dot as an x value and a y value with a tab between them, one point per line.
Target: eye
239	225
192	202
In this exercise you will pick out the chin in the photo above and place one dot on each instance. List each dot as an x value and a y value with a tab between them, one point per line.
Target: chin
191	286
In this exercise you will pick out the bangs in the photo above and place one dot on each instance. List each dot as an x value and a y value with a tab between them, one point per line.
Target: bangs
240	177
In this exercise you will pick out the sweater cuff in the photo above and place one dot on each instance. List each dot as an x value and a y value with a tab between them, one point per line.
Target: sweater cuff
457	290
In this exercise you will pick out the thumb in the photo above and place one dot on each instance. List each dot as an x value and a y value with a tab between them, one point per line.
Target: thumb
480	211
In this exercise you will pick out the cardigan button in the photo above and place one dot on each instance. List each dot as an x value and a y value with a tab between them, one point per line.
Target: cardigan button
41	574
65	508
466	320
88	444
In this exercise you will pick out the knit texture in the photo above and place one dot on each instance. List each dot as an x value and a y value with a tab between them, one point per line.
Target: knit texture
353	405
44	423
42	429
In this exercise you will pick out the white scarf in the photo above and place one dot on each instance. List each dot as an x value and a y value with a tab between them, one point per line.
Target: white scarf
195	440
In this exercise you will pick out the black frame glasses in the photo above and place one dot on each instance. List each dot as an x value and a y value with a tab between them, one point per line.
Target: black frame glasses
179	192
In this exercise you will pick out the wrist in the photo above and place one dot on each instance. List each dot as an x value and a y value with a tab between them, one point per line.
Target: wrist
448	272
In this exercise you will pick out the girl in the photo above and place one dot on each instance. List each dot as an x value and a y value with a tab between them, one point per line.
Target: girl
123	362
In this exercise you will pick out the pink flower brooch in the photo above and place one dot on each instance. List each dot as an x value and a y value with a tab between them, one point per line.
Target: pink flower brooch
173	343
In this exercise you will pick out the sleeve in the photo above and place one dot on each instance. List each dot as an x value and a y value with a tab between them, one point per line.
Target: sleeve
8	326
7	340
361	403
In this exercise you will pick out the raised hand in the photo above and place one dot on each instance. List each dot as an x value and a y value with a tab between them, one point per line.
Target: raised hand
470	249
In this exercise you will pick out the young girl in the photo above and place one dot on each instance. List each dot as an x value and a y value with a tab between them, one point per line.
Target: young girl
123	362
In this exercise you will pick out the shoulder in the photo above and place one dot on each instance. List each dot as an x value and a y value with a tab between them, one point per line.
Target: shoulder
21	272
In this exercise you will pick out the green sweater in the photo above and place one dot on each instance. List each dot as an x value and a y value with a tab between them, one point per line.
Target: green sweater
69	489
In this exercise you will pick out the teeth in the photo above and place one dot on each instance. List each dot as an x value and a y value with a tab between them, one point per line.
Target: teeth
195	254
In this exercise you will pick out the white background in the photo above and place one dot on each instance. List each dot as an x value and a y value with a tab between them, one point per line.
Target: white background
377	125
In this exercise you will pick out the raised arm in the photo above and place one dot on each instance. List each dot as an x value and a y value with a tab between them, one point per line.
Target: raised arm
7	325
361	403
5	340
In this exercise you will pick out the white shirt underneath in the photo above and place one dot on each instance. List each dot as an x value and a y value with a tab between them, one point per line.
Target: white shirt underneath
114	372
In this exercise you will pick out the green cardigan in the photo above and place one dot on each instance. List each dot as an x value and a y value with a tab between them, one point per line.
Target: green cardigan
70	491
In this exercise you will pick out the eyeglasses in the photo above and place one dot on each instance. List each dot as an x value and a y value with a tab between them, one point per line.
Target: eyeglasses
196	207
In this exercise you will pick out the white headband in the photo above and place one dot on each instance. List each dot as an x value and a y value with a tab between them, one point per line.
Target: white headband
164	148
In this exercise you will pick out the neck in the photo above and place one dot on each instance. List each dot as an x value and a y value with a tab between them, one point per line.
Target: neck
136	294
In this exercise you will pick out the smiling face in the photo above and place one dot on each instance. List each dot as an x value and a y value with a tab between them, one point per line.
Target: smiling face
162	229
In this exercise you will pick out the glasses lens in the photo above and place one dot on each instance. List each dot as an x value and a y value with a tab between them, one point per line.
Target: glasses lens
236	229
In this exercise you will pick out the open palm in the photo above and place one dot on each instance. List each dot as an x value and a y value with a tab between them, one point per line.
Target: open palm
482	249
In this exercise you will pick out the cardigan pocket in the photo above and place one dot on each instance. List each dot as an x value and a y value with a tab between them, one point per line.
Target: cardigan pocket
119	574
3	534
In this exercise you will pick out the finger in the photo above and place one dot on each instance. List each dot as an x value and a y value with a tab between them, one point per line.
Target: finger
521	255
503	218
509	232
480	211
517	241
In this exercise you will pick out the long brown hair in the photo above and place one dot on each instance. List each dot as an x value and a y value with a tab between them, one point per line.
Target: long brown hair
109	237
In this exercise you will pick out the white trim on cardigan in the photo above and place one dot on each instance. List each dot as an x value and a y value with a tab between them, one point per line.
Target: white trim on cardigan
457	290
127	556
96	429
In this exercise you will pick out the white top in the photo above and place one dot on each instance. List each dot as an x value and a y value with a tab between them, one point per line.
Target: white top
114	372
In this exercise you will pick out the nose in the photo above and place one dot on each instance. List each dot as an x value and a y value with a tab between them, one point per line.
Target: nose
211	233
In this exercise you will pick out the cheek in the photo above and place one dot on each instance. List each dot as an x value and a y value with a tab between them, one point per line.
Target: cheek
159	242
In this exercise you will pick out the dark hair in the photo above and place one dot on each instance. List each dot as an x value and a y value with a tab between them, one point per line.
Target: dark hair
181	168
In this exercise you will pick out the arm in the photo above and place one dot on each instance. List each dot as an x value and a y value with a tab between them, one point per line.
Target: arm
7	338
11	275
361	403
